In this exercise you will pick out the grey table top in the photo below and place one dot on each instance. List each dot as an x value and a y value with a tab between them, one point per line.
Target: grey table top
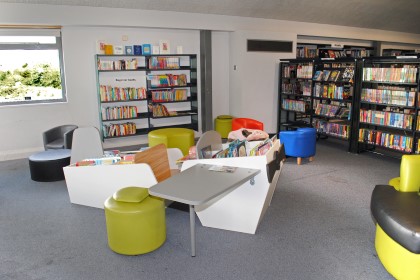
51	155
197	184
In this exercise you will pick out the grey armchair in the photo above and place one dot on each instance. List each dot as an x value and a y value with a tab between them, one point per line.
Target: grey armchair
59	137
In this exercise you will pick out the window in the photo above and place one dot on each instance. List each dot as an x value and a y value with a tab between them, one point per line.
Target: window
31	68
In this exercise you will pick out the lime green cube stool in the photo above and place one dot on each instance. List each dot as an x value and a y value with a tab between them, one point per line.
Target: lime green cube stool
135	221
182	138
223	125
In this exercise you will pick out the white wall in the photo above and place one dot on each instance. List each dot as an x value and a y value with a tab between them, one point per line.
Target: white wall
22	126
254	77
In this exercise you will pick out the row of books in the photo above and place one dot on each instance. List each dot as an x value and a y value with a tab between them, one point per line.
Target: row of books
122	64
119	112
389	96
163	62
98	161
338	65
306	52
236	148
399	75
303	71
312	51
392	119
294	105
166	80
169	95
262	148
110	93
388	140
302	87
123	129
160	110
336	53
335	129
332	91
359	53
334	75
327	110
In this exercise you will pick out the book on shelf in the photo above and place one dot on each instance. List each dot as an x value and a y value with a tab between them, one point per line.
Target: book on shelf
317	76
326	75
206	152
137	50
129	50
118	50
334	75
348	74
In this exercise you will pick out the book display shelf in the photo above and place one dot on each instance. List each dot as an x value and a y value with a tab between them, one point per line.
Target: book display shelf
295	93
389	105
140	93
373	104
333	93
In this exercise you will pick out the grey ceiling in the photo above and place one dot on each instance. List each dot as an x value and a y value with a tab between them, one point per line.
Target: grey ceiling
393	15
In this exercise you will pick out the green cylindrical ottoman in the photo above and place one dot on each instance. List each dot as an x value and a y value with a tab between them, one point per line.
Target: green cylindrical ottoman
182	138
223	125
135	221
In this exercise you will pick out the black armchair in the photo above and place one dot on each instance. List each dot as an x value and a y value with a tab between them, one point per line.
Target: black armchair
60	137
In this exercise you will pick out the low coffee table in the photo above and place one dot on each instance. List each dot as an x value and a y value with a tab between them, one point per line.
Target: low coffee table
47	166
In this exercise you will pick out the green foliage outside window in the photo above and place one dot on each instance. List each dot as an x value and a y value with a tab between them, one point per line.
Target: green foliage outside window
19	83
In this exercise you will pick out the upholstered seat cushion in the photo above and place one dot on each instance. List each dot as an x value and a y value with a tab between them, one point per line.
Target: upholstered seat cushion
131	194
56	144
398	214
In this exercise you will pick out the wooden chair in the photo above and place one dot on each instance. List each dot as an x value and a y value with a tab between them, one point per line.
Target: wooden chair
157	158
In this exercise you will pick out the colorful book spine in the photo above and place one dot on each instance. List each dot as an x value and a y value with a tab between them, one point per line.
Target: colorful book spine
124	129
119	112
294	105
166	80
122	64
397	120
335	129
389	96
110	93
405	74
169	95
387	140
162	62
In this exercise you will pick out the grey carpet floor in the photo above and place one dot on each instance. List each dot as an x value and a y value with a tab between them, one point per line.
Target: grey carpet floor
318	226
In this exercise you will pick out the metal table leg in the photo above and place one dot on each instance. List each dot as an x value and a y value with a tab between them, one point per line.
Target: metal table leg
192	229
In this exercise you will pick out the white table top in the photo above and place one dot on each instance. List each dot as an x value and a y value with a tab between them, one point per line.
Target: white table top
198	184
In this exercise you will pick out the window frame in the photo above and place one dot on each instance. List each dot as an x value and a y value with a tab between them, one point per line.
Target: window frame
38	46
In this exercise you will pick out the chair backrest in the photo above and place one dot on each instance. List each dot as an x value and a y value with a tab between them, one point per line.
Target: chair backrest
173	155
68	138
209	138
157	158
238	123
86	144
410	173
